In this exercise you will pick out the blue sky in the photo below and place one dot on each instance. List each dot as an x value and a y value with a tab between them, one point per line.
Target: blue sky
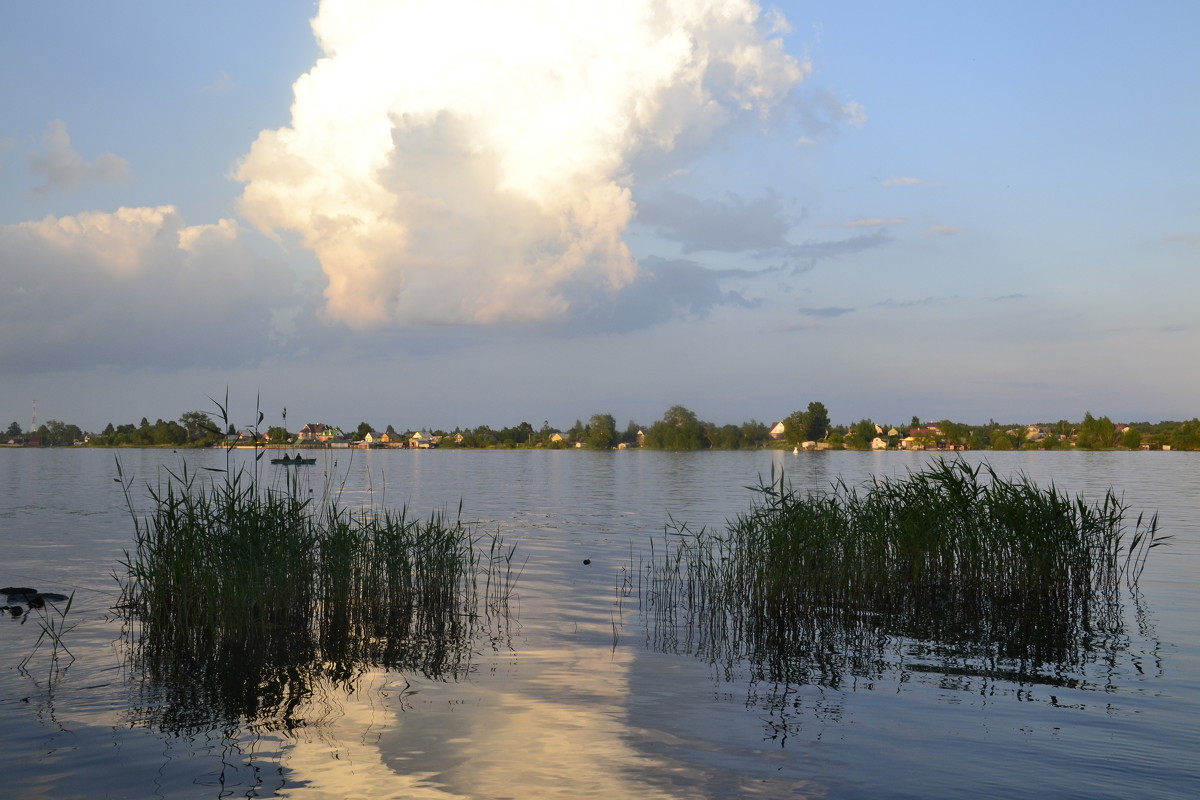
432	216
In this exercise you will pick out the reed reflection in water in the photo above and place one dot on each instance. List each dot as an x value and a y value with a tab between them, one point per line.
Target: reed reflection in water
239	600
952	570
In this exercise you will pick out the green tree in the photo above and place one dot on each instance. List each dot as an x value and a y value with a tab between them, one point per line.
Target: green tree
677	430
755	433
601	432
1000	440
197	424
13	430
55	433
954	432
1131	439
818	421
630	436
725	437
806	426
795	427
860	436
1186	436
1096	433
277	434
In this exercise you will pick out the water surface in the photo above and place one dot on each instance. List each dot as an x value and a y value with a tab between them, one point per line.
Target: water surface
579	698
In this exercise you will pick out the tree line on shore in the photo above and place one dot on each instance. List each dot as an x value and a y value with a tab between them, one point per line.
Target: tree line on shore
678	429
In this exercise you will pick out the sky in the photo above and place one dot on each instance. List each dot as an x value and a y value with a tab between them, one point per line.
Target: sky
432	215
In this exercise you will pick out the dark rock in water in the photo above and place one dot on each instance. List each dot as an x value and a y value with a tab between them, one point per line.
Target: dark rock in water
15	611
32	597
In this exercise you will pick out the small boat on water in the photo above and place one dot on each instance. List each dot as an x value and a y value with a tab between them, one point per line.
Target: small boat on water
299	459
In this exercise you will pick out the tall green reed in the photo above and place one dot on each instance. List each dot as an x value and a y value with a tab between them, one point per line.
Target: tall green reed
955	558
240	595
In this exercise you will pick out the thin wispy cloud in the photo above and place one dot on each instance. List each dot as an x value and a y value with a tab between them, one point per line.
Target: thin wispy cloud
827	312
873	222
902	181
65	169
889	303
803	257
944	230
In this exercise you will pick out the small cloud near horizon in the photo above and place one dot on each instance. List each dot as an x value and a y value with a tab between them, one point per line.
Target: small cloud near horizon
874	222
889	303
943	230
898	181
828	311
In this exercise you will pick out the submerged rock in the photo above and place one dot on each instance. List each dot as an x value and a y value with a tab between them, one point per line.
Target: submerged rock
31	597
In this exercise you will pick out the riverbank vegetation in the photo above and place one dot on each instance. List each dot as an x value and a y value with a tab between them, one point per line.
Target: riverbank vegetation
954	564
678	429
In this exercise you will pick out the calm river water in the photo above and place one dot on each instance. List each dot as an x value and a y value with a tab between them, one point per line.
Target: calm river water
580	700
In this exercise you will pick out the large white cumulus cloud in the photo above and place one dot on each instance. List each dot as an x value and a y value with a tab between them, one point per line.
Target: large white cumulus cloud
464	162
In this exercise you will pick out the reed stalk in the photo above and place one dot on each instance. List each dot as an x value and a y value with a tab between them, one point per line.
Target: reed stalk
970	563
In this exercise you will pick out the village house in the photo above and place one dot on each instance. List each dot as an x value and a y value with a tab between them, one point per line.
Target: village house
421	440
312	432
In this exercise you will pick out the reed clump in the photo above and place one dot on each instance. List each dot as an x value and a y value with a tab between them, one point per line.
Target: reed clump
240	597
954	561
